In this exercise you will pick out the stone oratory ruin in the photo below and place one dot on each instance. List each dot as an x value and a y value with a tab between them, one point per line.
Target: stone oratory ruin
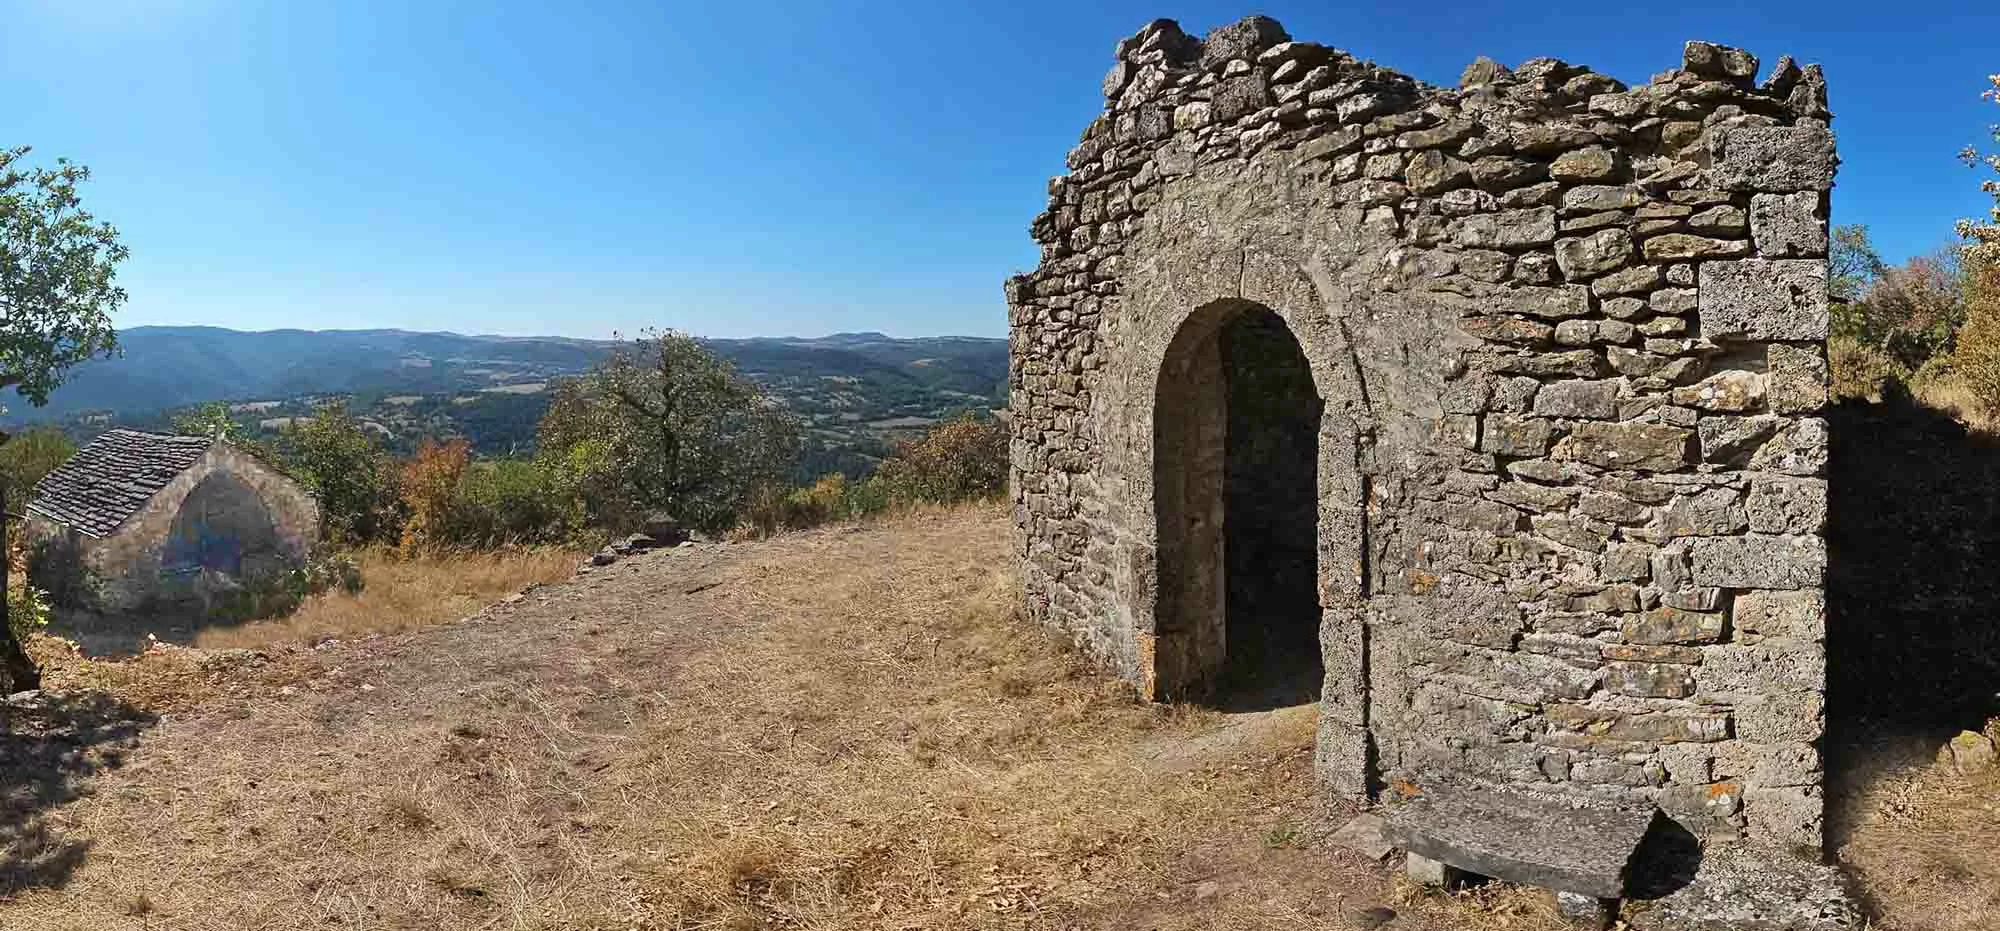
1487	417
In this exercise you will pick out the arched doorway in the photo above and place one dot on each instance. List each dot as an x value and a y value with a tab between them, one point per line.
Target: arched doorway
1236	427
223	525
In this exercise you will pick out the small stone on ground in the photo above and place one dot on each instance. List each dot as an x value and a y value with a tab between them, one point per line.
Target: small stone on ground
1365	835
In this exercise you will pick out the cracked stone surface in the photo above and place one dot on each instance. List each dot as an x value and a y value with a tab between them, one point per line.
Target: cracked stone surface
1526	838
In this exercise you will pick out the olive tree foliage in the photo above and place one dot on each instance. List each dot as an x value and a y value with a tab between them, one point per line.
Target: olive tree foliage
58	271
58	290
665	424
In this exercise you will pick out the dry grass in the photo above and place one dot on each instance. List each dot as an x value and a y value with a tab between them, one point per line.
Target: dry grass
402	594
1954	399
839	729
1923	848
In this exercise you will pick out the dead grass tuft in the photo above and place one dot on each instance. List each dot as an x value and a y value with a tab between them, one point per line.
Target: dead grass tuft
407	811
402	594
1921	847
1494	905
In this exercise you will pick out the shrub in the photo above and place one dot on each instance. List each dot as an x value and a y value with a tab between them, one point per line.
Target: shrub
452	501
958	460
1976	360
28	456
430	493
337	459
28	611
55	565
772	508
278	594
1860	370
963	459
514	502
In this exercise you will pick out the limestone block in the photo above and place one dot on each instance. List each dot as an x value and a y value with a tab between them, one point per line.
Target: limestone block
1732	671
1710	512
1732	391
1787	225
1772	158
1793	717
1797	378
1668	625
1509	230
1785	817
1970	753
1766	299
1798	447
1578	398
1718	61
1799	615
1649	447
1585	257
1242	40
1780	504
1758	561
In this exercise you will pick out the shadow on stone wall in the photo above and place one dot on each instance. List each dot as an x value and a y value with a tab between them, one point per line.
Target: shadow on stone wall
1913	583
50	746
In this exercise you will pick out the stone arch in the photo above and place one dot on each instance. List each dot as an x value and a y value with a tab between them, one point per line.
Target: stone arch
224	525
1175	301
1236	482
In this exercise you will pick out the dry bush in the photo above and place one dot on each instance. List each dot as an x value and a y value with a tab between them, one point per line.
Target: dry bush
1861	371
402	594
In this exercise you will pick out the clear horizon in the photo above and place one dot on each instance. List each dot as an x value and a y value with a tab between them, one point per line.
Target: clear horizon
525	169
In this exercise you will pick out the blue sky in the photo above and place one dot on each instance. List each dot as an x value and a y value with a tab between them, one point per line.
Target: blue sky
762	169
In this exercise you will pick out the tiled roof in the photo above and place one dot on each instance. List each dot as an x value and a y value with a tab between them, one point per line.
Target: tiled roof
113	477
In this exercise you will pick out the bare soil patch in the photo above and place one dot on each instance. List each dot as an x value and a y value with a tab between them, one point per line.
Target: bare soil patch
839	729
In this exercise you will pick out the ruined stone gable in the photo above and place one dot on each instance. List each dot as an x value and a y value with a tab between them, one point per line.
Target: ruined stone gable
1559	356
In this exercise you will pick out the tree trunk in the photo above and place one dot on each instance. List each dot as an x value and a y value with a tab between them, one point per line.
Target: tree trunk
18	670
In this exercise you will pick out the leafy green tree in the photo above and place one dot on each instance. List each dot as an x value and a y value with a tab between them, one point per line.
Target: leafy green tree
211	419
1851	265
665	424
344	465
58	290
58	270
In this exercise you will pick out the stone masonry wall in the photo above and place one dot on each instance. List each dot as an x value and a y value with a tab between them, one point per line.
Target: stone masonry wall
1569	339
127	562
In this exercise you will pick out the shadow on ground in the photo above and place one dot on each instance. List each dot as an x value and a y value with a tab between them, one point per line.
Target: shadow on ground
50	746
120	636
1913	581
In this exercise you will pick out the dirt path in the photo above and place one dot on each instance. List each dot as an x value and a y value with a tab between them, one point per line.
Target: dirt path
840	729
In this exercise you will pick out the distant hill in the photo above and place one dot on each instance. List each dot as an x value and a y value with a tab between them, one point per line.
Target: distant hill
856	390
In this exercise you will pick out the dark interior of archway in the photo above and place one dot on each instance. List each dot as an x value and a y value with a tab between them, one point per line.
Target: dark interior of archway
1270	523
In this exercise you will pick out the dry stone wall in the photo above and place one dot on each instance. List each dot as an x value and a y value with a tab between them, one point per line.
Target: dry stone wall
1568	338
125	566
